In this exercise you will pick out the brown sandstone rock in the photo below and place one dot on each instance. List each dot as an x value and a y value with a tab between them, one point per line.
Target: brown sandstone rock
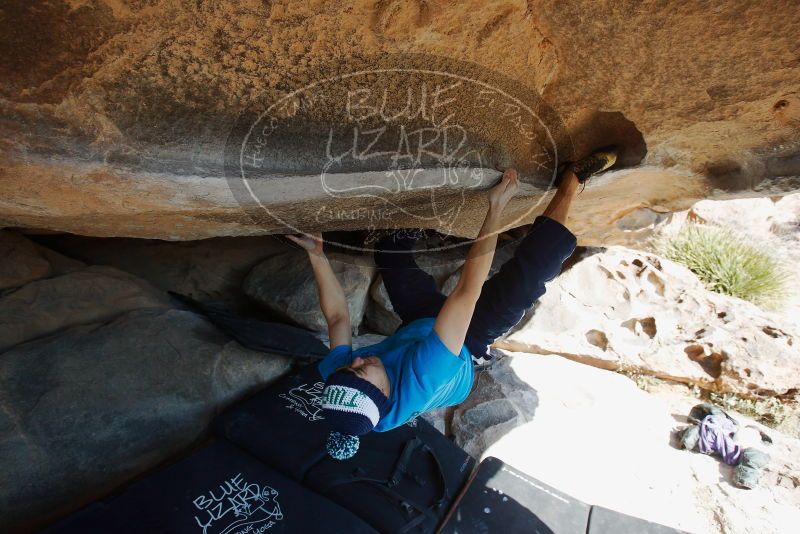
114	115
772	224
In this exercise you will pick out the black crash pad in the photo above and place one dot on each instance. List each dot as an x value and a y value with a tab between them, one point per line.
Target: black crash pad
217	490
605	521
284	427
501	499
425	486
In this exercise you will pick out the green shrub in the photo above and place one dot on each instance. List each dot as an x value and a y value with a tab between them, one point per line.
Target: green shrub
727	263
769	411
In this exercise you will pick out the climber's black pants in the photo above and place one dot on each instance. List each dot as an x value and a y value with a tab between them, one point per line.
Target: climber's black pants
505	297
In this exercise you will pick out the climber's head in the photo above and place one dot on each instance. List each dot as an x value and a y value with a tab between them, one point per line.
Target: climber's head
353	404
371	369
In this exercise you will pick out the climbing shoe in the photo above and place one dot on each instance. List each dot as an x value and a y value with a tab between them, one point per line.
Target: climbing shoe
594	164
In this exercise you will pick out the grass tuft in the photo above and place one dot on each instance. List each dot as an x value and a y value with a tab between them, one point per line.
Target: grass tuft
727	263
782	415
769	411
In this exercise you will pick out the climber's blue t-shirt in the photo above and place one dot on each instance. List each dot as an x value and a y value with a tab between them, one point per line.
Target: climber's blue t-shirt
423	373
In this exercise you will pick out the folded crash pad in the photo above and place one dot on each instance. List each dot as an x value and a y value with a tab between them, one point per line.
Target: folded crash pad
406	478
282	425
217	490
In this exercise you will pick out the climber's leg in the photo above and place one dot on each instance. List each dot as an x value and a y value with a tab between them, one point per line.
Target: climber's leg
559	205
508	294
412	292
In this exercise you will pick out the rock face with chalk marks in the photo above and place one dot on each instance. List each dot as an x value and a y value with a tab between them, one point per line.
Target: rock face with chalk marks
116	115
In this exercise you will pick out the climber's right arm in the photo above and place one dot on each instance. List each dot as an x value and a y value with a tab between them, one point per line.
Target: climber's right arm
453	320
331	295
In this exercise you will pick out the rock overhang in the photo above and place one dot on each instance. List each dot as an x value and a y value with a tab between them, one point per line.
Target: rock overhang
140	100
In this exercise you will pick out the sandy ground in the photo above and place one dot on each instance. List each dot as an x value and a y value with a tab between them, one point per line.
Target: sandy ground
599	438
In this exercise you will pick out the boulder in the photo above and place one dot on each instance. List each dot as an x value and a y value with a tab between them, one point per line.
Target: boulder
59	263
284	284
88	409
772	224
116	115
498	403
434	256
503	252
629	310
773	220
769	223
440	264
440	419
379	314
596	436
210	269
91	295
20	261
365	340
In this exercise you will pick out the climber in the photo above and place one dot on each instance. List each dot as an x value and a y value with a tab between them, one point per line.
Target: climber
428	362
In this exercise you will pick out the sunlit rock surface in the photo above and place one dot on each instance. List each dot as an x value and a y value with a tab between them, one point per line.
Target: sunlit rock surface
627	310
596	436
